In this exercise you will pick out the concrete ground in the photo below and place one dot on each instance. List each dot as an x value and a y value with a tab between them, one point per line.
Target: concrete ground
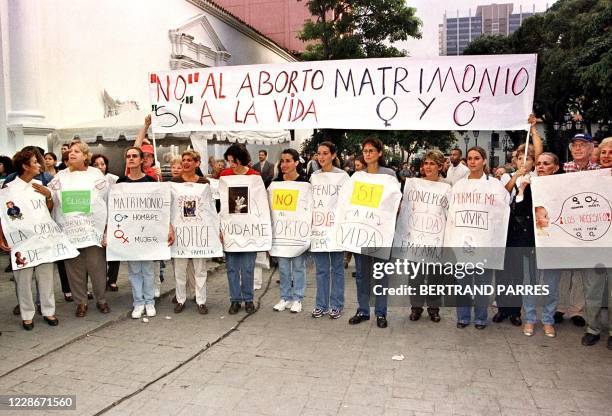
278	363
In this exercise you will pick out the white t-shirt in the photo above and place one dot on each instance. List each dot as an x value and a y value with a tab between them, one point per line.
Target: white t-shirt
456	173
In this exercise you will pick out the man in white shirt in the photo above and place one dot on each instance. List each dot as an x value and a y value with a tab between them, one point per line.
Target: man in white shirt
457	170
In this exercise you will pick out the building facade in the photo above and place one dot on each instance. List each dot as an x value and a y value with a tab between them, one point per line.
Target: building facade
455	33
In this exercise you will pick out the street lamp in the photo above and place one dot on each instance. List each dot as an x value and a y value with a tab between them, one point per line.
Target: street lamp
466	139
476	133
506	146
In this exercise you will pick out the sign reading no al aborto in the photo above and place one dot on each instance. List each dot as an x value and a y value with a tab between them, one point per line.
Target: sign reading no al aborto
446	93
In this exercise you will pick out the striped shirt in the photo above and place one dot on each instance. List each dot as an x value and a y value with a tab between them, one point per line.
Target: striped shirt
570	167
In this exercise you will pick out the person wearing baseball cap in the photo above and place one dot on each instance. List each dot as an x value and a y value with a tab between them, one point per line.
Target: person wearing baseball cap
581	147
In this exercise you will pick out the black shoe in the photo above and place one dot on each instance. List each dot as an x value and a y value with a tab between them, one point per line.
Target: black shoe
499	317
578	321
610	342
558	317
480	326
68	298
27	327
51	322
249	307
415	313
358	318
234	308
591	339
462	325
434	314
381	321
516	320
89	295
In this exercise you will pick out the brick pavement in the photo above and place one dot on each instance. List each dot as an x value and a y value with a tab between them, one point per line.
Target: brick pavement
282	363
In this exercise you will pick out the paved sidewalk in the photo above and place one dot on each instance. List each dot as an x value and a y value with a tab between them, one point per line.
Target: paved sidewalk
281	363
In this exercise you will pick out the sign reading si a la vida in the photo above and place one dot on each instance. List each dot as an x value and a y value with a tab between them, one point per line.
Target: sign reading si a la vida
445	93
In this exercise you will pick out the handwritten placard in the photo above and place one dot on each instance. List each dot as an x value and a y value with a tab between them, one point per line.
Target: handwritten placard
138	222
490	92
291	204
325	192
195	222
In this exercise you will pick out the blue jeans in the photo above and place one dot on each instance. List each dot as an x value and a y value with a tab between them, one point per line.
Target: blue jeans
330	270
363	288
551	278
141	276
292	272
481	302
240	269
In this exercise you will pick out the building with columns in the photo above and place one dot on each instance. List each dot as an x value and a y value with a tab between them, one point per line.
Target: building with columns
81	67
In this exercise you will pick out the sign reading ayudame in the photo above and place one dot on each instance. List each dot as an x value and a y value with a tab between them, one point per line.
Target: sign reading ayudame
445	93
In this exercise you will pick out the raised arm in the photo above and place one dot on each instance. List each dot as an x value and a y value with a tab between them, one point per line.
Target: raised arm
141	134
538	147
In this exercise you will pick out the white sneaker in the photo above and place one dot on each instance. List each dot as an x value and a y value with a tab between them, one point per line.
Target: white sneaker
150	309
138	311
296	307
282	305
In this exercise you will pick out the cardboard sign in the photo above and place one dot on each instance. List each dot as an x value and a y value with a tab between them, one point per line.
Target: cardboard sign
366	215
573	219
195	221
477	223
325	192
419	233
492	92
245	214
138	222
291	204
28	228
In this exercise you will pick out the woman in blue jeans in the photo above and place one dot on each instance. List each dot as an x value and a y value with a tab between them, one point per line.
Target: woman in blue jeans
329	264
141	273
292	270
240	265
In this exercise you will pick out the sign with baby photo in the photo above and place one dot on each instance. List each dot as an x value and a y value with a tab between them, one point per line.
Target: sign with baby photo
573	217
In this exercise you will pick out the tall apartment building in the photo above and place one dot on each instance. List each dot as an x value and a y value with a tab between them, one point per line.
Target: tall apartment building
279	20
455	33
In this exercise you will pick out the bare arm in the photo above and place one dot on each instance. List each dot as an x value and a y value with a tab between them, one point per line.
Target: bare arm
141	134
535	137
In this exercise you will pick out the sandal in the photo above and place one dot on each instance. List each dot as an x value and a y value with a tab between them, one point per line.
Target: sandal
112	287
528	329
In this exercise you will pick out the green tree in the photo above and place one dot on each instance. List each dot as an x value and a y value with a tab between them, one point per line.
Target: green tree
573	40
363	29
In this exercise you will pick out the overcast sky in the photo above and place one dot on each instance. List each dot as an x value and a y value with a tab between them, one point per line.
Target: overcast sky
431	13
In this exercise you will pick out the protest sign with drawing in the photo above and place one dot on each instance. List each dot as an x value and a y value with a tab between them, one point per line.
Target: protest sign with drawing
291	211
138	222
79	205
492	92
245	214
367	210
195	221
419	233
31	233
573	211
477	222
325	192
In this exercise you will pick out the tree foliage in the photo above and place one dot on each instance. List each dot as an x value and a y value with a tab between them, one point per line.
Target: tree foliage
363	29
573	40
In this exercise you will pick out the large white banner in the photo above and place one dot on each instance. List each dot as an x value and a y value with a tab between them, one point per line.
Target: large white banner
31	233
477	222
492	92
419	233
573	216
79	205
195	221
291	207
325	192
245	214
138	222
367	211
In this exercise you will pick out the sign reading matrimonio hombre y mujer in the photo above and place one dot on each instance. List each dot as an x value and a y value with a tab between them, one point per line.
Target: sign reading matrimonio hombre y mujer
445	93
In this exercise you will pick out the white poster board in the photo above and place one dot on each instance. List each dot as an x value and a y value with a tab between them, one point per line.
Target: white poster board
31	233
477	223
195	221
79	205
572	219
138	222
492	92
367	211
419	233
291	212
245	214
325	193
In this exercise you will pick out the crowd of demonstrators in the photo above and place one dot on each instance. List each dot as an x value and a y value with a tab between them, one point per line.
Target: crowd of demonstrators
578	294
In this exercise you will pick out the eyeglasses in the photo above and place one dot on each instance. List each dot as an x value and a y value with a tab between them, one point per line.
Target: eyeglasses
579	145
